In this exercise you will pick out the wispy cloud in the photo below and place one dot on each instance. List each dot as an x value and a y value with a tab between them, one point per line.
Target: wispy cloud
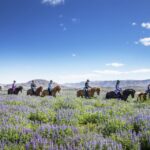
134	23
61	25
115	72
137	74
64	29
74	55
115	64
75	20
136	42
145	41
146	25
53	2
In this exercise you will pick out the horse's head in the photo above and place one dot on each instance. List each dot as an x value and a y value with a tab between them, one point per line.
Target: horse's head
58	89
40	89
98	91
129	92
20	88
133	93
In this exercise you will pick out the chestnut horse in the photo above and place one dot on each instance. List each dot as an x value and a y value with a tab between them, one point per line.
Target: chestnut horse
80	93
54	91
17	90
142	97
37	93
97	90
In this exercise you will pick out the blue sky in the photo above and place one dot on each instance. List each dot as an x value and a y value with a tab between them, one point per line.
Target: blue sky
72	40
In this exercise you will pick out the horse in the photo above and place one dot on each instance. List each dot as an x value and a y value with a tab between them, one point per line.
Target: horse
142	97
127	93
81	93
98	90
0	88
124	95
37	92
54	91
113	95
16	92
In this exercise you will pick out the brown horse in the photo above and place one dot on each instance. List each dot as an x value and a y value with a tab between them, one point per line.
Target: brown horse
80	93
97	90
142	97
17	90
54	91
37	93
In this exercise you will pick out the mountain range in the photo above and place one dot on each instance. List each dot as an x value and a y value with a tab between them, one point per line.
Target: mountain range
104	84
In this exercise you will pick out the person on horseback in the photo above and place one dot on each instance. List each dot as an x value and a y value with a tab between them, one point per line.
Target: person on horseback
33	87
118	89
86	88
50	87
148	90
14	86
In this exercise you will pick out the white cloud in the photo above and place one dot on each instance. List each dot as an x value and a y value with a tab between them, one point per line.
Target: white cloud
115	64
75	20
53	2
64	29
115	72
74	55
20	76
141	71
61	24
136	42
134	23
139	74
145	41
146	25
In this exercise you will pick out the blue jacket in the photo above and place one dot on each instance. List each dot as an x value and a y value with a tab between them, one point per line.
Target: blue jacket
87	85
118	89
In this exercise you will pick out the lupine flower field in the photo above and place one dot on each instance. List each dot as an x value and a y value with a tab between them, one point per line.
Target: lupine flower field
70	123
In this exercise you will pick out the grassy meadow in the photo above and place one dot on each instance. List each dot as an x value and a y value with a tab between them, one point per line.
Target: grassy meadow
70	123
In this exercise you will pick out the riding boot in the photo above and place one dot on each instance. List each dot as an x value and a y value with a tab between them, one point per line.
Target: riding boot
119	96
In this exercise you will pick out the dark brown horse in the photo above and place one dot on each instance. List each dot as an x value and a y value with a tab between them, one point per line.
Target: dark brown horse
142	97
37	93
54	91
17	90
81	93
123	96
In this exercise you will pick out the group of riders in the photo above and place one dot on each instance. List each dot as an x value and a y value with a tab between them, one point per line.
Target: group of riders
34	87
118	91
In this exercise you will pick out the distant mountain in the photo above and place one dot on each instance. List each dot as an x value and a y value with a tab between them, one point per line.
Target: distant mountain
138	84
111	84
38	82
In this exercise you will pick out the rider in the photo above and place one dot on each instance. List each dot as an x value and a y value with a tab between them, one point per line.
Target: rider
118	89
14	86
86	88
148	89
50	87
33	87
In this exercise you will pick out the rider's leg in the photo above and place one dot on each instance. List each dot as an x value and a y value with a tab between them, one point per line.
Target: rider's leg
119	95
49	91
86	93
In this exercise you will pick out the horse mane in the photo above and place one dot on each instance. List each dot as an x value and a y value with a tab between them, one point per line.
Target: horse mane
57	87
20	87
